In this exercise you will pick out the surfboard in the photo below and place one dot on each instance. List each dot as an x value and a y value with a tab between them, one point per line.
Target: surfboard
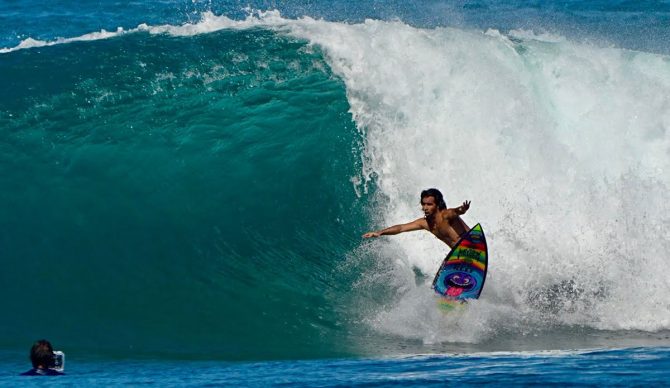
463	272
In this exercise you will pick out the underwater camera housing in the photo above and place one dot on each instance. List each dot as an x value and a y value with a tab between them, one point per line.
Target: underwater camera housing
59	361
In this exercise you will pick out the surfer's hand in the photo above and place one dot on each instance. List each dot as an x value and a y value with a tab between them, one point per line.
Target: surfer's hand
464	207
371	234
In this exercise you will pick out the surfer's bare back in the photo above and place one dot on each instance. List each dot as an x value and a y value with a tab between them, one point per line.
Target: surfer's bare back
445	224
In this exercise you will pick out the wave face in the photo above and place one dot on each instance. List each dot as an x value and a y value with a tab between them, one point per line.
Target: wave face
175	194
199	189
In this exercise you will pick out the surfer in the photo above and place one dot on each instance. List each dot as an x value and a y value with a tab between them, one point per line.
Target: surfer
446	224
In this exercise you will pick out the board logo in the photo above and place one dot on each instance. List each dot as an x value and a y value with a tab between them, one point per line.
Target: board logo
459	282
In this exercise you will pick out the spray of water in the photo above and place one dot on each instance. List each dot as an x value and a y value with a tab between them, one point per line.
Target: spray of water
563	148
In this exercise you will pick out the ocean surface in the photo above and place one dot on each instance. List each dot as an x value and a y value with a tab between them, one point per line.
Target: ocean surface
184	186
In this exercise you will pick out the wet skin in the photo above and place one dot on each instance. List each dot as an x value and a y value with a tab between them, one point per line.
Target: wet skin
445	224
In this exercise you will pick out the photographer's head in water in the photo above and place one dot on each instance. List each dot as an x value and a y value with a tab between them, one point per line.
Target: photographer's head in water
45	361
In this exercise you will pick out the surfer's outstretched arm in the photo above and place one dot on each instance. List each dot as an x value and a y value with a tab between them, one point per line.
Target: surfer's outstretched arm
401	228
458	211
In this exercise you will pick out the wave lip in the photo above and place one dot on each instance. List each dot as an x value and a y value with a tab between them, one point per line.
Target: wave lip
209	22
91	36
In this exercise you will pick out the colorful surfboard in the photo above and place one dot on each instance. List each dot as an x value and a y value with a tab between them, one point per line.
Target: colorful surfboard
463	272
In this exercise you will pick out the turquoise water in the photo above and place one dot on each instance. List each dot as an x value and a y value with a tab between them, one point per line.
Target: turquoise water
185	182
612	367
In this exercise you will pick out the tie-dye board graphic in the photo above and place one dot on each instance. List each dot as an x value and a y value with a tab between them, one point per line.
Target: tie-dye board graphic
463	272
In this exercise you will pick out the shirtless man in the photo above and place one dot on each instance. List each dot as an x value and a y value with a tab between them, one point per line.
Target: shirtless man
445	224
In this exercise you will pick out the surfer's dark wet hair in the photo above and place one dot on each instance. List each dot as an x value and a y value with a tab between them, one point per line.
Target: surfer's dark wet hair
42	354
435	193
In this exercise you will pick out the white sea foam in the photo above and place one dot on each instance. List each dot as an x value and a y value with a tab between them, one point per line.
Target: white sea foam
33	43
563	148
